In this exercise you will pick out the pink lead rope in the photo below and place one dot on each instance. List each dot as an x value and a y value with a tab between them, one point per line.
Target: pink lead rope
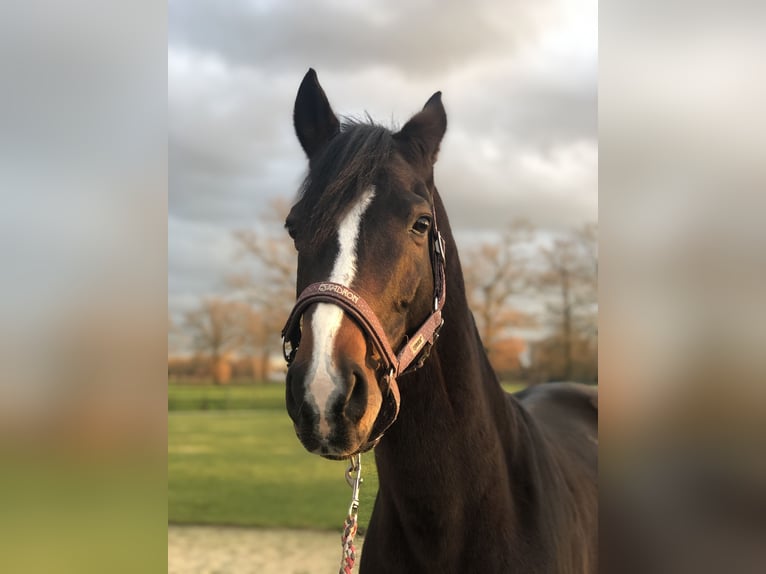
354	479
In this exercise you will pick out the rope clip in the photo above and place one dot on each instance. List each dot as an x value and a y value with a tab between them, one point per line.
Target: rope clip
354	480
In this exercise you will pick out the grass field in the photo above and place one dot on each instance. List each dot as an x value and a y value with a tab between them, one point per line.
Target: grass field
247	468
270	396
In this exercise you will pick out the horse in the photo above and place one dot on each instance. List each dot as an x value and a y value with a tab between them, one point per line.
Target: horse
471	479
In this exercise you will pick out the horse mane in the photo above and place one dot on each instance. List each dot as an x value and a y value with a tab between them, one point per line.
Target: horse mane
347	166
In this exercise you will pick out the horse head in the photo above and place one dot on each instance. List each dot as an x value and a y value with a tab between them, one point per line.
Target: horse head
364	230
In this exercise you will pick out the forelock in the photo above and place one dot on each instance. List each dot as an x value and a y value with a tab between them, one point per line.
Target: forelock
346	167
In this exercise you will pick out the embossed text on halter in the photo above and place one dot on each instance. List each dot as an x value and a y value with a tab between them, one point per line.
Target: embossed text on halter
340	290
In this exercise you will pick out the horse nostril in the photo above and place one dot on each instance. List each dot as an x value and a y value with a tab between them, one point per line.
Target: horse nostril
293	392
356	405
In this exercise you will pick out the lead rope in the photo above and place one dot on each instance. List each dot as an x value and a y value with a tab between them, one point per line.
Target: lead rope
354	479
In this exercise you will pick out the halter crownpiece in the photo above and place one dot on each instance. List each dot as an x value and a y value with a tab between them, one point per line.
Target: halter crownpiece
395	364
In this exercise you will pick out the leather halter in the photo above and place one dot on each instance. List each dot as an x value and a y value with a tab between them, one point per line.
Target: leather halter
395	364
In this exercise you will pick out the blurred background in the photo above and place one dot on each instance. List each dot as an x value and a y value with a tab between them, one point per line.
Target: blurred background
517	171
83	304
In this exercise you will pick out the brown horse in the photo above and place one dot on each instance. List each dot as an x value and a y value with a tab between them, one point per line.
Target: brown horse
471	479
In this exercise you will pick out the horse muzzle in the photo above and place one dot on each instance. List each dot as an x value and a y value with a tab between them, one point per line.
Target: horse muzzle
333	403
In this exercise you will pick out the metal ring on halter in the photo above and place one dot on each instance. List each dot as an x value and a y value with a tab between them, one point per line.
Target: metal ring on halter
288	351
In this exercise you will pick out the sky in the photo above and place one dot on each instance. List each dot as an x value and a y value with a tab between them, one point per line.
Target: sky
518	81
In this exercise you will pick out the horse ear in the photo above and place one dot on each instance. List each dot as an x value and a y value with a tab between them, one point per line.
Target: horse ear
425	130
315	122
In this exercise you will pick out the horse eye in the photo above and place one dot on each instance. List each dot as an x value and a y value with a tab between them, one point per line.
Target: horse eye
422	225
290	227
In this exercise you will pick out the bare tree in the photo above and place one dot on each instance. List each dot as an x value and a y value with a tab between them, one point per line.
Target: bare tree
216	328
494	271
269	287
261	336
569	276
587	236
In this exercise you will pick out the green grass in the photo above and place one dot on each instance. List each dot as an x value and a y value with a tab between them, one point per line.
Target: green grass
247	468
270	396
226	397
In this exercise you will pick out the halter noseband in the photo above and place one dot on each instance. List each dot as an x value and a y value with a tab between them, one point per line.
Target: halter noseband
395	364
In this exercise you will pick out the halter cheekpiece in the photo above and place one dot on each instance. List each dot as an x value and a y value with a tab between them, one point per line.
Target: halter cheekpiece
418	346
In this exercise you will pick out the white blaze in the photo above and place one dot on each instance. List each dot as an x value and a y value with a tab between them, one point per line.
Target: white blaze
327	317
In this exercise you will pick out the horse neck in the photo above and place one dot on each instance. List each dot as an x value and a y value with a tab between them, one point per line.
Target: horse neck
459	362
454	403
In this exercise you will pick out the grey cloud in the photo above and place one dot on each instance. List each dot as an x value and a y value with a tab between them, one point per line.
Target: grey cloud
482	193
230	144
200	256
534	113
202	193
431	37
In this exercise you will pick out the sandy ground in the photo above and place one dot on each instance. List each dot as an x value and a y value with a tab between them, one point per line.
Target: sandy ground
222	550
